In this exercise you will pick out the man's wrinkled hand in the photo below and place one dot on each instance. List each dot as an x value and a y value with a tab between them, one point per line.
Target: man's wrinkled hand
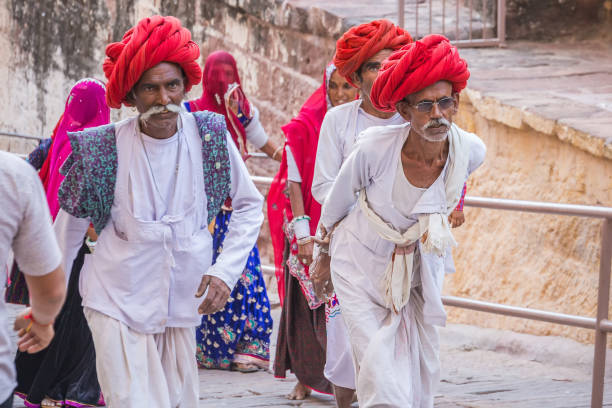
216	298
456	219
305	253
320	275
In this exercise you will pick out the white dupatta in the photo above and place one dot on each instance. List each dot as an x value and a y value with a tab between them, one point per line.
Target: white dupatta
398	273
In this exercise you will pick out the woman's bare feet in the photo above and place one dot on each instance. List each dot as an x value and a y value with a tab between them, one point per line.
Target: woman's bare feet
300	392
245	367
49	403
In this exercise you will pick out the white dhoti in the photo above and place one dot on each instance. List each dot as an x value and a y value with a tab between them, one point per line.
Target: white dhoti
388	258
395	355
339	366
144	370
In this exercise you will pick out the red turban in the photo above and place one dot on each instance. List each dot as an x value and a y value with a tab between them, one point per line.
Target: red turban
152	41
362	42
415	67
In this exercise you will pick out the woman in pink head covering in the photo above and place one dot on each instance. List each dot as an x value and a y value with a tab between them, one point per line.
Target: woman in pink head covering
85	108
65	373
223	94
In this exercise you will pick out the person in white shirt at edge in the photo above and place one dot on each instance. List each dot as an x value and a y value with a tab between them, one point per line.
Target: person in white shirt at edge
150	185
25	220
359	53
392	199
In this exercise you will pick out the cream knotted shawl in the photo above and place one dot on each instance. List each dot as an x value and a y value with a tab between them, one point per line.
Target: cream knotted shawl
398	273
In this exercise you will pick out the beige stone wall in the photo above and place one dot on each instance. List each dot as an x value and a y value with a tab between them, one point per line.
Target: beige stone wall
530	260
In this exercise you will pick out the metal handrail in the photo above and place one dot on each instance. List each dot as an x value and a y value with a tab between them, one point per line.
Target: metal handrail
19	135
600	323
255	155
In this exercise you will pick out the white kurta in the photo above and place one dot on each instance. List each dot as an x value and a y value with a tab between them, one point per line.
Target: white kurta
153	252
255	132
179	250
396	354
339	131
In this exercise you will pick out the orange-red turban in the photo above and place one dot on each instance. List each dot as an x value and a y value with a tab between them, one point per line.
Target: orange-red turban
415	67
152	41
362	42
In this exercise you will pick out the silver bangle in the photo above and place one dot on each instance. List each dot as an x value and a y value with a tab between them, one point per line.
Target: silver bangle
90	244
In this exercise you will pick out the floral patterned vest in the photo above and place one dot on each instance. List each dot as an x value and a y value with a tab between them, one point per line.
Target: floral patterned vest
88	190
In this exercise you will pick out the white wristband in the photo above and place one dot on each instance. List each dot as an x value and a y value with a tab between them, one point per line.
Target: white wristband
301	228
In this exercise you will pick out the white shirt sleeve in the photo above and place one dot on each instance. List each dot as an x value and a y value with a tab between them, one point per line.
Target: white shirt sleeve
70	232
293	173
354	175
244	225
477	153
34	244
328	161
255	132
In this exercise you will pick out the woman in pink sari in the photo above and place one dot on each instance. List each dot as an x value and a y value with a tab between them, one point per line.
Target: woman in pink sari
65	373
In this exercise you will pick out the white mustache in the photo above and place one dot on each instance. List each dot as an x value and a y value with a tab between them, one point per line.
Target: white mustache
436	123
154	110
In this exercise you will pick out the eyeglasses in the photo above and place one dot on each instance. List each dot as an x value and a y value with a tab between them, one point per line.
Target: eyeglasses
427	106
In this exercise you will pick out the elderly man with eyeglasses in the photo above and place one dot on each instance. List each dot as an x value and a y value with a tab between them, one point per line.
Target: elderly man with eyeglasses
392	197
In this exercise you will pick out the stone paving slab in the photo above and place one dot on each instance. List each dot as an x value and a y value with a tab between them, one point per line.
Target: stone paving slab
556	89
481	368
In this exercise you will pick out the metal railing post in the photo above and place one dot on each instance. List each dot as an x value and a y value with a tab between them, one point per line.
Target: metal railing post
400	13
603	302
501	22
431	15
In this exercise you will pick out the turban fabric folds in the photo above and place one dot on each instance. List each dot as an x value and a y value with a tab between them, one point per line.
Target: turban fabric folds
362	42
152	41
415	67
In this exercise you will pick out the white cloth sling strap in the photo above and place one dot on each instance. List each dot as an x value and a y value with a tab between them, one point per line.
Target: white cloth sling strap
398	273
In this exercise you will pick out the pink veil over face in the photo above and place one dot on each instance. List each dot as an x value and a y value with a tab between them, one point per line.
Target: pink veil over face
85	108
216	81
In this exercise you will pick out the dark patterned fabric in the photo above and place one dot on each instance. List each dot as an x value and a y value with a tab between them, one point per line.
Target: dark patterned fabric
240	332
66	370
17	289
88	191
302	338
39	155
215	159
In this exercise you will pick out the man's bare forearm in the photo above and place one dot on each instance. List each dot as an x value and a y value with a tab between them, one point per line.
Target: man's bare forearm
47	294
296	198
272	150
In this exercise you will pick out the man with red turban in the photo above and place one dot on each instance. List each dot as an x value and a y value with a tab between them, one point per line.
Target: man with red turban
359	54
392	245
150	185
